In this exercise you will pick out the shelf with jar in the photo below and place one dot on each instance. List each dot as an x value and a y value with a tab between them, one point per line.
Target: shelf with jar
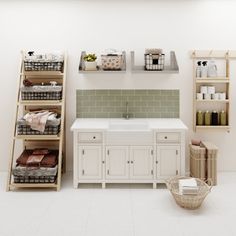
211	90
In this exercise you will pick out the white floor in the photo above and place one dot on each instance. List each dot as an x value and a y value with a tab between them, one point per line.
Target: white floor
119	210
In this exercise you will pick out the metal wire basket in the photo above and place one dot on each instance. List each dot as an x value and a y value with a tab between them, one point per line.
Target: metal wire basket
186	200
154	61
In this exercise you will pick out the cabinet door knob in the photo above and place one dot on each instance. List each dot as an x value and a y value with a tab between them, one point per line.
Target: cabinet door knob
165	137
132	162
128	162
94	137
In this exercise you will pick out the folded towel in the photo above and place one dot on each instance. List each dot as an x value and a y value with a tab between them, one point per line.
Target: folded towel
37	120
34	159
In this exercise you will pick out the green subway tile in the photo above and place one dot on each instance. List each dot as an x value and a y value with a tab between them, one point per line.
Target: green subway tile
142	103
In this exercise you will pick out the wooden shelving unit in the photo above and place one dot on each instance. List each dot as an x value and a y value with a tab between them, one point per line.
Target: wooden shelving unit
171	68
39	141
99	68
222	81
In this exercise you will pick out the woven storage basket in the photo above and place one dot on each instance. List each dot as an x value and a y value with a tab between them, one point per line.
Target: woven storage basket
52	128
188	201
31	65
41	93
34	174
198	162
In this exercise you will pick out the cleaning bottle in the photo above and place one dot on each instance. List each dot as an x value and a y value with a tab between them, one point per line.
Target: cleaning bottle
204	69
207	118
199	69
212	69
223	120
215	118
200	118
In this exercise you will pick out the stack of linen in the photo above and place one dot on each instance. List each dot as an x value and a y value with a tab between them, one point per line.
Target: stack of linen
188	186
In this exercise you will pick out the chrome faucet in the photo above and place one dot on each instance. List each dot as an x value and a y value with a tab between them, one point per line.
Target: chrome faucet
127	115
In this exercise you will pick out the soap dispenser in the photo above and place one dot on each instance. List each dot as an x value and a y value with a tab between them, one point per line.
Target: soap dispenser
198	69
204	69
212	69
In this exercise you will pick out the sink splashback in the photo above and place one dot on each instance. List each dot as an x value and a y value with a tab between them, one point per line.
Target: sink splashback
110	103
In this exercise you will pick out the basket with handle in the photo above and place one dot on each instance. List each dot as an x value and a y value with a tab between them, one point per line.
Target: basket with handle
186	200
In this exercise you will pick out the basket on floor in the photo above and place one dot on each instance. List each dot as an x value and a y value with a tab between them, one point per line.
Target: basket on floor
186	200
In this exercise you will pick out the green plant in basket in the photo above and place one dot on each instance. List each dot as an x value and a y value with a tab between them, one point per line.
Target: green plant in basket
90	57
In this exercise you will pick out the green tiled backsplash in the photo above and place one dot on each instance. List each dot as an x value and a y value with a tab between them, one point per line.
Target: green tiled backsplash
142	103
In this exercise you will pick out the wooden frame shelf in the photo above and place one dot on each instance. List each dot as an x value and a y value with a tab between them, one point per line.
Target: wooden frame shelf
222	82
40	102
39	141
172	68
99	68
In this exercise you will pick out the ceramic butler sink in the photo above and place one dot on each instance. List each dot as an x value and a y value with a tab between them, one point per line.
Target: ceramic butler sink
128	125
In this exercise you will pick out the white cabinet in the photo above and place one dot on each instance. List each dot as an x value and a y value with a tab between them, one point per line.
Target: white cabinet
117	162
168	161
90	162
141	162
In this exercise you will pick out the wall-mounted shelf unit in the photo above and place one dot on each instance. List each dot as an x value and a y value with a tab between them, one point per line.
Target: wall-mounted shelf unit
99	67
172	68
221	83
35	141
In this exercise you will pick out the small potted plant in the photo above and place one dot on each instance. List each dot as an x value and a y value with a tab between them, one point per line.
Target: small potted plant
90	62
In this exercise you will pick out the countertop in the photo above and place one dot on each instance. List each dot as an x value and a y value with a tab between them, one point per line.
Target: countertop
103	123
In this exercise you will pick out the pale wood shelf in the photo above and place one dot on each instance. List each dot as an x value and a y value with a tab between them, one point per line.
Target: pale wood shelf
220	81
42	141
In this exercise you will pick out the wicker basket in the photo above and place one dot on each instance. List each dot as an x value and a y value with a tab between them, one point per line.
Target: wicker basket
31	65
52	128
154	61
188	201
34	175
41	93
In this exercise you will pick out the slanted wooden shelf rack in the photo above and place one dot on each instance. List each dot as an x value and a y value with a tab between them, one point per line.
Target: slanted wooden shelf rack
222	82
171	68
99	67
55	142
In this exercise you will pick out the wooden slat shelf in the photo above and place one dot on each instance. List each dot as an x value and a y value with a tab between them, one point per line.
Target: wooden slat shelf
38	137
33	185
221	84
213	101
42	73
39	141
215	80
213	127
40	103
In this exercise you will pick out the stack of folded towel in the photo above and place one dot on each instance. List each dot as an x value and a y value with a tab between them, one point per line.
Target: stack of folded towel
37	119
188	186
36	166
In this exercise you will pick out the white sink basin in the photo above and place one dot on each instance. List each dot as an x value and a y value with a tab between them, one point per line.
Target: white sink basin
128	125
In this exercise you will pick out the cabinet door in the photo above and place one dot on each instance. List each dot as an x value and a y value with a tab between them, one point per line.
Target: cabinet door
90	162
117	162
168	161
141	162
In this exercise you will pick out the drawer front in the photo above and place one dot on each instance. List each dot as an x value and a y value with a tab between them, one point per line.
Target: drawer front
90	137
166	137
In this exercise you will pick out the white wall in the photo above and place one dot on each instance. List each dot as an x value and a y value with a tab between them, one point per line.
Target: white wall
95	25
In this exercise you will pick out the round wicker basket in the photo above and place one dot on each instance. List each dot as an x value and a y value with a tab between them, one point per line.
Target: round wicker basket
185	200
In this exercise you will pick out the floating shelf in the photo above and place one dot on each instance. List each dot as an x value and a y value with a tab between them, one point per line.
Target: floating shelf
99	68
172	68
33	185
